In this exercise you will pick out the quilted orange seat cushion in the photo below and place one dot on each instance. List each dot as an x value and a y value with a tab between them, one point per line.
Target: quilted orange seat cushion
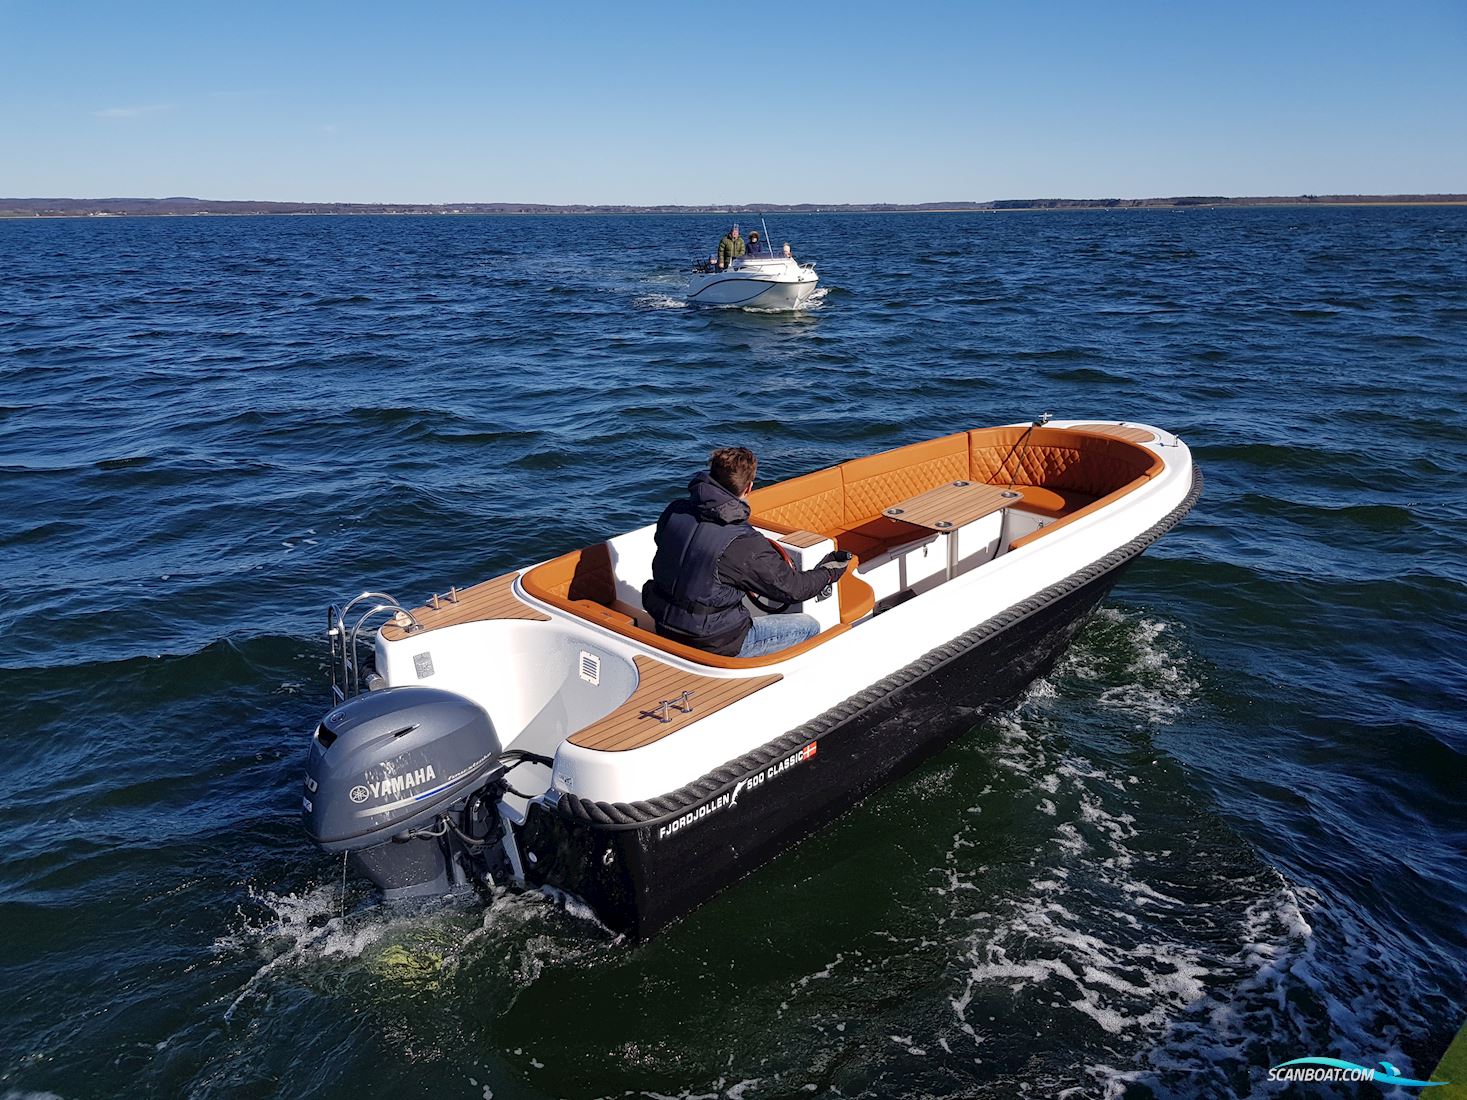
814	502
879	481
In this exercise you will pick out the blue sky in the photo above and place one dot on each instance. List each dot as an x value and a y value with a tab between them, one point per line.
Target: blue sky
700	103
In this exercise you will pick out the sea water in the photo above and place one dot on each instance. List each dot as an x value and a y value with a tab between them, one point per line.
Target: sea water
1226	831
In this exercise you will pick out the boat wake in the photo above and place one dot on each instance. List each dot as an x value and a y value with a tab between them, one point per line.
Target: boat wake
296	932
299	938
1144	662
815	301
660	301
1150	935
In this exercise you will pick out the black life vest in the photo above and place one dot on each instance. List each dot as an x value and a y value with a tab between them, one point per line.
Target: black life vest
685	597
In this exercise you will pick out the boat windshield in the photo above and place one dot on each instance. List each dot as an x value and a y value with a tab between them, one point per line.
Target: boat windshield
762	259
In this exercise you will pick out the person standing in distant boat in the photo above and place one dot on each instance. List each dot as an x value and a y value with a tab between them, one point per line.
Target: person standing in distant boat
788	255
755	245
730	248
708	556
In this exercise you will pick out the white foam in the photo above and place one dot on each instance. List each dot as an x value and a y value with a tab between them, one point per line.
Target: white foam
1049	944
295	930
660	301
1199	1009
824	972
1244	1024
408	944
816	300
1161	685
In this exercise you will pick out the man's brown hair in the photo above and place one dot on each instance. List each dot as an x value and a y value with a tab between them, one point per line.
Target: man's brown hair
733	468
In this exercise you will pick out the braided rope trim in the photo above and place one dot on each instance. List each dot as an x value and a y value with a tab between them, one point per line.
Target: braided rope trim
629	815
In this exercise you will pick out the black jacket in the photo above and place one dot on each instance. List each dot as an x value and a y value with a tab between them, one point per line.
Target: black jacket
707	557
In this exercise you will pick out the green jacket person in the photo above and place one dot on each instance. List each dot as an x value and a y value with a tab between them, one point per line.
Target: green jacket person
730	248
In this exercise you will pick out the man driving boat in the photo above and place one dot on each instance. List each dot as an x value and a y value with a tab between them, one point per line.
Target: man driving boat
708	556
730	248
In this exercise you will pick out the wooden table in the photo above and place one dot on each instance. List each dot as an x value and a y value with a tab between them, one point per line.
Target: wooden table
950	507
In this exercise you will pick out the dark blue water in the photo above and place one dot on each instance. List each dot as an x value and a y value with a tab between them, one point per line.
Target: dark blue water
1227	831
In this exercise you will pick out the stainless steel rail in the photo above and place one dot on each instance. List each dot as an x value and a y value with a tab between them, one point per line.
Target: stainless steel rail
346	662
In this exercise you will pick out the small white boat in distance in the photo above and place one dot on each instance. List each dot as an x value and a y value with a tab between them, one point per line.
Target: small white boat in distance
763	282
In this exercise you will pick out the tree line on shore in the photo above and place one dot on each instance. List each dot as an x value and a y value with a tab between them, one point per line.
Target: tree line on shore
180	206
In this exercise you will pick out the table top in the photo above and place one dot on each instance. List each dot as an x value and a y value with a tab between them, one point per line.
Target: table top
953	505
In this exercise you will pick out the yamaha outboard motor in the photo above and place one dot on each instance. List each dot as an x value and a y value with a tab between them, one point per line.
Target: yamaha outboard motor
407	780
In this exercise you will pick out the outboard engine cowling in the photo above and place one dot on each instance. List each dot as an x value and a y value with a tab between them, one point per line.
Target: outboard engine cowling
388	779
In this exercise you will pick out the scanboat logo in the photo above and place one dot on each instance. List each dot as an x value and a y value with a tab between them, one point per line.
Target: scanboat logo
730	799
392	785
1335	1070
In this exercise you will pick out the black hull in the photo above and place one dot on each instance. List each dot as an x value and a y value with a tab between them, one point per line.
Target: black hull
639	876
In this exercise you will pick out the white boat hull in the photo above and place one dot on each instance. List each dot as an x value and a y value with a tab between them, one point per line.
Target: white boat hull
774	283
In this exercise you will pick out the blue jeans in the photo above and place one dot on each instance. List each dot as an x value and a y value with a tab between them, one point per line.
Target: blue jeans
771	633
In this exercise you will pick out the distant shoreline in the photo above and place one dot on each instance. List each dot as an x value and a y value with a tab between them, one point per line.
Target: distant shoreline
190	207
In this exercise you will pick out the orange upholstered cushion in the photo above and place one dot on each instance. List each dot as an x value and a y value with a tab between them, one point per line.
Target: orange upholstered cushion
881	480
1051	502
1060	459
814	502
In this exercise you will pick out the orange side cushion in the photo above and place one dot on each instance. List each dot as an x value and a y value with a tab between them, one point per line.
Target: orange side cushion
857	598
814	502
881	480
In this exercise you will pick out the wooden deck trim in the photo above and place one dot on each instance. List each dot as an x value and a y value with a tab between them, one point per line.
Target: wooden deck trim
634	725
1116	431
802	539
493	599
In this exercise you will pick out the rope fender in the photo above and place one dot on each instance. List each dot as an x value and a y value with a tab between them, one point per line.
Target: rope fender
636	814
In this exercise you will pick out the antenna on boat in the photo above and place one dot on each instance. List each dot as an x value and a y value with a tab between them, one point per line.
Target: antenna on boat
769	247
1021	445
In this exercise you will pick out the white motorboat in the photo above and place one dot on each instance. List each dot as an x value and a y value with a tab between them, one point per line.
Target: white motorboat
761	282
535	731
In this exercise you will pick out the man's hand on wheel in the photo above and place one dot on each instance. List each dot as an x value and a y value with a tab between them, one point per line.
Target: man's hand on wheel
837	561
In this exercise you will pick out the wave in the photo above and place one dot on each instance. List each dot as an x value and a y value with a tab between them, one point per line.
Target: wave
660	301
1089	374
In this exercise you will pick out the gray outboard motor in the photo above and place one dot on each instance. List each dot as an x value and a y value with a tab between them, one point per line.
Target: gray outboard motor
407	780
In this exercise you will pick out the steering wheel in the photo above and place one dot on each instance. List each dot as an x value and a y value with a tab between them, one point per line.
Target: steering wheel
770	607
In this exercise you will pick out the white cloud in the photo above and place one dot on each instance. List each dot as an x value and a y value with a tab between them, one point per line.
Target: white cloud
132	112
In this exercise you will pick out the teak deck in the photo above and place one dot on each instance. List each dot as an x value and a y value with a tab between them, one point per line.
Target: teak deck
1117	431
490	600
635	723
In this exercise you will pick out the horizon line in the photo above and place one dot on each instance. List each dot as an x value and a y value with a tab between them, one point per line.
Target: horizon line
743	206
